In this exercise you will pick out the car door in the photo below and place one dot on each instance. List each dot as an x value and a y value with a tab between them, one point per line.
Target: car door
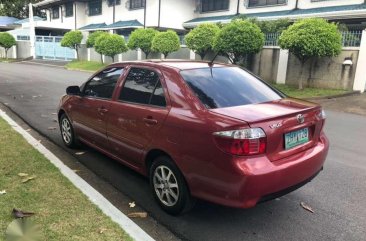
138	114
91	109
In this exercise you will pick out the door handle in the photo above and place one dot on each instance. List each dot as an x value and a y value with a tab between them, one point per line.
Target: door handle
150	121
102	110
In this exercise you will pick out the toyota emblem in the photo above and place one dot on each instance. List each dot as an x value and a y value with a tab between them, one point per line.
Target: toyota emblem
300	118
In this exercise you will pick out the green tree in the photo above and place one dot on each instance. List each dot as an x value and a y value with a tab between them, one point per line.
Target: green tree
90	42
238	39
310	39
7	41
18	8
166	42
142	39
110	45
72	40
200	39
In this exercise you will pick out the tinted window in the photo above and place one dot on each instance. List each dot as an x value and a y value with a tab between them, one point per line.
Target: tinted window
258	3
227	86
135	4
69	9
143	86
158	98
102	85
95	7
214	5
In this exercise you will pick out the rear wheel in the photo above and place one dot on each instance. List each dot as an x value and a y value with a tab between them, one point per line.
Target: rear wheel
169	187
67	132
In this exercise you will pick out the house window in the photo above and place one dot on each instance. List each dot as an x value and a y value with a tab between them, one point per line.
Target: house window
214	5
136	4
260	3
69	9
95	7
111	2
55	12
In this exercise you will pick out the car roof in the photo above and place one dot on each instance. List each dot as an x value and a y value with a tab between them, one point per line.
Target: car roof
177	64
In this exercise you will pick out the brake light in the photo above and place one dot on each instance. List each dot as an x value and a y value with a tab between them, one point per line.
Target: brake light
244	142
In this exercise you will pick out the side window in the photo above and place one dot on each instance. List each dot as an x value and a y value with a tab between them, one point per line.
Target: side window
102	85
158	98
143	86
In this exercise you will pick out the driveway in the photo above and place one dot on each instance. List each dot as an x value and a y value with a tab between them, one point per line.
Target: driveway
338	194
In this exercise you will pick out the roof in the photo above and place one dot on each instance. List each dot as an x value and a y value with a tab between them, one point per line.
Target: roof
94	26
125	24
4	20
26	20
116	25
285	13
177	63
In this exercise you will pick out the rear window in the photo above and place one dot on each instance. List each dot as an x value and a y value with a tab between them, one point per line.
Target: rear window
222	87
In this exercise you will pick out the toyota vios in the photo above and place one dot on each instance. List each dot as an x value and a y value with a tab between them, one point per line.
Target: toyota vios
198	130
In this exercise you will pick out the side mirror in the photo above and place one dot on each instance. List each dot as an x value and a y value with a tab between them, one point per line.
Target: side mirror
73	90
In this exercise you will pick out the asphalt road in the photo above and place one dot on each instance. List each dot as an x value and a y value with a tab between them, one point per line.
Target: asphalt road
337	195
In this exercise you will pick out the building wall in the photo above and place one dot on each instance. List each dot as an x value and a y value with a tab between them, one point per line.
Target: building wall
175	12
324	72
23	49
316	4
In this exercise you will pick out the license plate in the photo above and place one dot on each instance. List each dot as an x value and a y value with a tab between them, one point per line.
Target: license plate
296	138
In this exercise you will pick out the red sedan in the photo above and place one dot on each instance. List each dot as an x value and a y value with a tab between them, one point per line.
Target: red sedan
198	130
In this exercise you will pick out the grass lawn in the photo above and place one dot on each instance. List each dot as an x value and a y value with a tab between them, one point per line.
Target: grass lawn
307	92
9	60
85	65
62	211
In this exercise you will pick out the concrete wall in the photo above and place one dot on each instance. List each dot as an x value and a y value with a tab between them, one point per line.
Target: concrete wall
265	64
23	49
324	72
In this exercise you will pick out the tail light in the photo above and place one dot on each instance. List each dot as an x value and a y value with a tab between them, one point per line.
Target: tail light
244	142
322	116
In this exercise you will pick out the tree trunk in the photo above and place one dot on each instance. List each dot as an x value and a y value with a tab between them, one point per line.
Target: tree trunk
146	54
301	72
77	53
6	53
113	58
101	58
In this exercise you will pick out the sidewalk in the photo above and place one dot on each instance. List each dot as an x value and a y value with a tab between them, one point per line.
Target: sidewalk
355	104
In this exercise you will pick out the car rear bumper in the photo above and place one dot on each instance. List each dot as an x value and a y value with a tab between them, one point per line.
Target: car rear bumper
258	179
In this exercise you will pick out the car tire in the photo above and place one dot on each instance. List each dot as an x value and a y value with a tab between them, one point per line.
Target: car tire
169	187
67	132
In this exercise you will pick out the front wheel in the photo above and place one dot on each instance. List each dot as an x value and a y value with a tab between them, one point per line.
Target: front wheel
67	132
169	187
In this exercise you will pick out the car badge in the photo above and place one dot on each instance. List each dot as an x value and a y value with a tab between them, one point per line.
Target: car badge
300	118
275	126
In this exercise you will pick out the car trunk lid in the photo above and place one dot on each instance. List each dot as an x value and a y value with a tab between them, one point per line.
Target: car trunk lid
278	118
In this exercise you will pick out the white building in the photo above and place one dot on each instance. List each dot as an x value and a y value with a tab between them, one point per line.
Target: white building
123	16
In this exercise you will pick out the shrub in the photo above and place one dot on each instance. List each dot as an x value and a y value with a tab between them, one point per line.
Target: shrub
269	26
166	42
142	39
110	45
238	39
311	38
201	38
72	40
7	41
90	42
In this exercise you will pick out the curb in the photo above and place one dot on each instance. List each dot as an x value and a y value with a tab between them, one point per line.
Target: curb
349	93
93	195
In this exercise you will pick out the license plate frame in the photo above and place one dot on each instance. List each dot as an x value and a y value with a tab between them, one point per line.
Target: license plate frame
296	138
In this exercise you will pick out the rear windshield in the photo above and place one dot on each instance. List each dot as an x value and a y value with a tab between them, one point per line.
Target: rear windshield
222	87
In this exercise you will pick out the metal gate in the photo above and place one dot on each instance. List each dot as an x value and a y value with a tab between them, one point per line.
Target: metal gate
49	47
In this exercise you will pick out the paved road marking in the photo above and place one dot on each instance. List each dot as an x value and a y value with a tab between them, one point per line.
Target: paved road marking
98	199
